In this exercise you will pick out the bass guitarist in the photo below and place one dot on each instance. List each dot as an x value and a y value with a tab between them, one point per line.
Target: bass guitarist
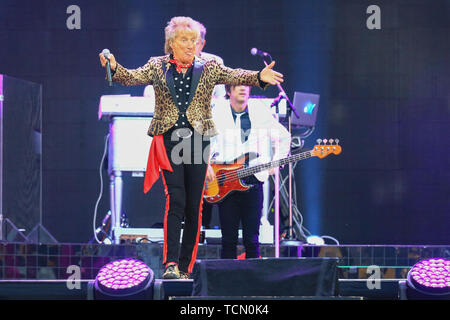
245	128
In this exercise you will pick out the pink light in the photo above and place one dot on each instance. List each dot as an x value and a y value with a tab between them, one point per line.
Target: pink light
123	274
434	273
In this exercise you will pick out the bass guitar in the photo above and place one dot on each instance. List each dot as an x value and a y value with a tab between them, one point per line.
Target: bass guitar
229	176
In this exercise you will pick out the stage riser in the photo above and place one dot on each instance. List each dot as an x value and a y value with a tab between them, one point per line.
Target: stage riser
181	290
41	290
50	261
266	277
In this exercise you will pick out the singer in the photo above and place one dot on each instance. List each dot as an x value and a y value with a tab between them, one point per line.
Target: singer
183	85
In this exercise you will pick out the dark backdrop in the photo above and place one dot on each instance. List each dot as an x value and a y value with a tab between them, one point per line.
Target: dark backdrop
384	94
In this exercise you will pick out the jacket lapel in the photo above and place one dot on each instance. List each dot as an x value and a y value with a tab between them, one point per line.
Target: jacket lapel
196	73
167	70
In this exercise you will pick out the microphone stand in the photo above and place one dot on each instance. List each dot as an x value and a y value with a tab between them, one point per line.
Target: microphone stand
289	239
275	103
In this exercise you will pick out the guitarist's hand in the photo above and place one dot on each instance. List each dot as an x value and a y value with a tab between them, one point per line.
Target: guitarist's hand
210	176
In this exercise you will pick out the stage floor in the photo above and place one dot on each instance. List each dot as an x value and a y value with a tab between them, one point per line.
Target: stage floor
41	271
27	261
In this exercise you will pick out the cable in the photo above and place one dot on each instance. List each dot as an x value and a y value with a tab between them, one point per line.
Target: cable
149	240
296	214
101	188
331	238
295	210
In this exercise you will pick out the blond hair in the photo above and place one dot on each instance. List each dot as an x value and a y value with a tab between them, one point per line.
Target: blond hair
202	31
174	25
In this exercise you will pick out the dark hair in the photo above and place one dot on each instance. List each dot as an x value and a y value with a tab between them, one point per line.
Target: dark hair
228	89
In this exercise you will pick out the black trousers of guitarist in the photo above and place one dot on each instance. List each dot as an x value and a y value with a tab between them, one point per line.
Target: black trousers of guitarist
246	208
184	197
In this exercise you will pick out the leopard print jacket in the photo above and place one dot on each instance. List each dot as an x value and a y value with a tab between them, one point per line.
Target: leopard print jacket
206	74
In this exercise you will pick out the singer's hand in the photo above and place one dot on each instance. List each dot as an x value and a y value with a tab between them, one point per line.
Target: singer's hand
271	76
112	61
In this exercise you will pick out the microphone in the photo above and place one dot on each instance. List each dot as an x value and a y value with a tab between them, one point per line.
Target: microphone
106	54
257	52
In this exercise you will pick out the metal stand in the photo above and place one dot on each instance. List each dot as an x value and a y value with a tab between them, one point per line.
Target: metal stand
290	108
40	234
290	239
294	237
9	232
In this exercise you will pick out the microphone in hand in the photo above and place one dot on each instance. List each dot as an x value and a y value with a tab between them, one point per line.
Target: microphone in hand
108	61
106	54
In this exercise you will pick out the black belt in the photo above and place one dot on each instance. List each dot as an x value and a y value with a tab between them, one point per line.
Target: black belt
183	131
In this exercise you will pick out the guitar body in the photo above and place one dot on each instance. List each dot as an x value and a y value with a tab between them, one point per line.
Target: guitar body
225	181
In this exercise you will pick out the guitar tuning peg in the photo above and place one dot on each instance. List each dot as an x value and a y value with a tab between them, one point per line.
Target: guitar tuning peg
331	141
319	141
336	140
325	141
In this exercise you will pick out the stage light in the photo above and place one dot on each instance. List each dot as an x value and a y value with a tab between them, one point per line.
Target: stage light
315	240
124	279
429	279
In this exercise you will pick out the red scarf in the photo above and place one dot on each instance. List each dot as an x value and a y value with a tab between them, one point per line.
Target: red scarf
180	65
157	158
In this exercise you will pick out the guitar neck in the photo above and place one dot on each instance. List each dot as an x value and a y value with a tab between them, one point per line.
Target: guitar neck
245	172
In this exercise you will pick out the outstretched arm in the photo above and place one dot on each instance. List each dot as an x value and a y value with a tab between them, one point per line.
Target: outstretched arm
226	75
127	77
271	76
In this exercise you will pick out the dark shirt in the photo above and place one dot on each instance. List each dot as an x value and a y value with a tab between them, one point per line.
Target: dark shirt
182	83
245	123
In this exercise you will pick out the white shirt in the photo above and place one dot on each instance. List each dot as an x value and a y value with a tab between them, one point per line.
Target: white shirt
266	134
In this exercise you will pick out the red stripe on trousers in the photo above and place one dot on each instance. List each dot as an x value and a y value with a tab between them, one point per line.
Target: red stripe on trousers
165	218
194	251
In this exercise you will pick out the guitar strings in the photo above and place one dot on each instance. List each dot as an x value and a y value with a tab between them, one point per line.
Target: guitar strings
249	171
235	174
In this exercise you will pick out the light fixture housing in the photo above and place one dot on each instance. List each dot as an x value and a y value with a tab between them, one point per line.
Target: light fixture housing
125	279
429	279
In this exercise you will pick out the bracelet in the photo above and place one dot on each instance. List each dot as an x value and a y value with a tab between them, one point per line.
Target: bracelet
113	72
262	84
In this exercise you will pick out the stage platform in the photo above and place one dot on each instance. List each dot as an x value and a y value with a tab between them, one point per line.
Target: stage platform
40	271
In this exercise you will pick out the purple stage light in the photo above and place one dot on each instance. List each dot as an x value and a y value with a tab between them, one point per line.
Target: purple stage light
123	277
430	276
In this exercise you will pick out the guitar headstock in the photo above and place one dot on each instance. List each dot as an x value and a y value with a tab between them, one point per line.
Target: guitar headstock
329	146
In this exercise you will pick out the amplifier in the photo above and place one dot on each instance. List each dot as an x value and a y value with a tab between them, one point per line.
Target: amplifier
156	235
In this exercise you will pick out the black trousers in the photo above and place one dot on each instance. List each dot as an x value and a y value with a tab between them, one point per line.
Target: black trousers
242	207
207	215
184	196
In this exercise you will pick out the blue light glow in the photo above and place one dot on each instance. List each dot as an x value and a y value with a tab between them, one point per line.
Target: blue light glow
309	108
